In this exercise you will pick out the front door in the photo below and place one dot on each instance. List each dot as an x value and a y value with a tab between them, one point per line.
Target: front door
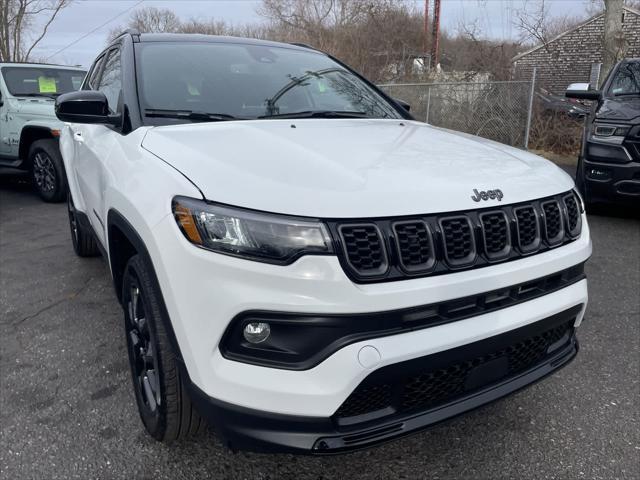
93	146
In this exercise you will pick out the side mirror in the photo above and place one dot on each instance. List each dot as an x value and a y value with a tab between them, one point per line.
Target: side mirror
85	106
403	104
582	91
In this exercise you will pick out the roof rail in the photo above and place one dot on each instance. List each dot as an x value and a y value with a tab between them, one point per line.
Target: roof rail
304	45
128	31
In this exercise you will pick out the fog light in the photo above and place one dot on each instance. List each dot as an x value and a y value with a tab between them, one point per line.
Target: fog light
256	332
598	174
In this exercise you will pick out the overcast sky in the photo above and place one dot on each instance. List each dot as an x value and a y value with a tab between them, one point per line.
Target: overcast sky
493	17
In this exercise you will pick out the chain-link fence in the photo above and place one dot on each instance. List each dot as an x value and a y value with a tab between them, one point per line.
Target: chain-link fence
496	110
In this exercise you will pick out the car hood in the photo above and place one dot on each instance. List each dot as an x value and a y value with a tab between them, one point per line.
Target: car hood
625	109
335	168
32	107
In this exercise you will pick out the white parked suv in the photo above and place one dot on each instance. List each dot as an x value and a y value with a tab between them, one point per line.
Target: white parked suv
300	262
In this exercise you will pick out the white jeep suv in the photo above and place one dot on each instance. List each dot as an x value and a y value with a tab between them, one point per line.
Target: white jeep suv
300	262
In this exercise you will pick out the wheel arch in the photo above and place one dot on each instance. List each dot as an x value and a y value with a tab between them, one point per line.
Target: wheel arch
32	133
124	242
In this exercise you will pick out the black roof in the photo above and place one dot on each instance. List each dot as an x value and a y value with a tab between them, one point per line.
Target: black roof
43	64
196	37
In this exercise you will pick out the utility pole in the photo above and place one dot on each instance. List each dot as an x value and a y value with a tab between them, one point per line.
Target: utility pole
613	38
435	42
425	32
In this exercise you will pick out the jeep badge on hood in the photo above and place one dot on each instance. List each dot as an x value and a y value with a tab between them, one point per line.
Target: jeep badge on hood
488	195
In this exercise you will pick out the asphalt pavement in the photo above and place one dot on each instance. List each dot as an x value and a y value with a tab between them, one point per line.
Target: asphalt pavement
67	409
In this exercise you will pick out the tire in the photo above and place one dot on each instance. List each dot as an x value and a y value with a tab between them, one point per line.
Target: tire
84	243
47	170
163	402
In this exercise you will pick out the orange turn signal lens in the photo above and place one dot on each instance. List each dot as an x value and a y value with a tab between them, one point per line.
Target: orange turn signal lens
185	220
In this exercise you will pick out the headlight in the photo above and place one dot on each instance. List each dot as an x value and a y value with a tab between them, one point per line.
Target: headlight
245	233
609	133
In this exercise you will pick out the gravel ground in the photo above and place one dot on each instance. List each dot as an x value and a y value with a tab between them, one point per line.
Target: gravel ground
67	410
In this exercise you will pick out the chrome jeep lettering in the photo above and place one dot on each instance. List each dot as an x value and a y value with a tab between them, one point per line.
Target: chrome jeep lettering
487	195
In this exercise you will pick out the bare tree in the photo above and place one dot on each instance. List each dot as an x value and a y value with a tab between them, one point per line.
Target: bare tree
150	20
379	38
537	26
156	20
613	41
475	55
19	34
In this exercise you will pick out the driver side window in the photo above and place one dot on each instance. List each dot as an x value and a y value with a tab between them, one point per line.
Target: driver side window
111	80
92	76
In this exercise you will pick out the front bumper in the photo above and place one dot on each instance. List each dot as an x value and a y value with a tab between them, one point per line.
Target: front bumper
482	382
612	174
203	291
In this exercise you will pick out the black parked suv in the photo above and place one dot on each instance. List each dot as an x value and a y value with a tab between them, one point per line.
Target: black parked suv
609	164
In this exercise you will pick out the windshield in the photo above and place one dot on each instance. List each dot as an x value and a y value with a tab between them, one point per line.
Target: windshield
249	81
41	81
626	80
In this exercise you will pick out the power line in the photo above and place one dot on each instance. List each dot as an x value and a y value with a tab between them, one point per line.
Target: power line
94	30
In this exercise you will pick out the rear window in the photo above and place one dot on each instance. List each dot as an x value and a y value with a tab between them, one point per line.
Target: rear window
35	81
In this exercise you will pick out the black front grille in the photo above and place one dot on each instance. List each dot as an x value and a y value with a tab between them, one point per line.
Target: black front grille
528	228
459	245
432	388
439	243
415	246
553	223
495	233
573	215
364	247
376	397
432	381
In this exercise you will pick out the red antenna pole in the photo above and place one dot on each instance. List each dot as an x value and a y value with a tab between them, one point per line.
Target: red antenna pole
435	43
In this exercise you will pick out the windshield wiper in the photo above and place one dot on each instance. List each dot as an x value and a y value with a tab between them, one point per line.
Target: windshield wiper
319	114
295	81
190	115
46	95
630	94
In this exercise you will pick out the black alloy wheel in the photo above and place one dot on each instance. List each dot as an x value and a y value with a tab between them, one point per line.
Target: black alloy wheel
47	170
160	387
44	173
142	351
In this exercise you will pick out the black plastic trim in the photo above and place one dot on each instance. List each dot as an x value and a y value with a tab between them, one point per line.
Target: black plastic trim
496	256
573	233
396	271
468	259
557	240
116	219
396	375
300	341
384	266
535	246
430	264
606	190
248	429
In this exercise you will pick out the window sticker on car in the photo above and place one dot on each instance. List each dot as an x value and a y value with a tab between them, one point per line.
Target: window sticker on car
193	90
47	85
